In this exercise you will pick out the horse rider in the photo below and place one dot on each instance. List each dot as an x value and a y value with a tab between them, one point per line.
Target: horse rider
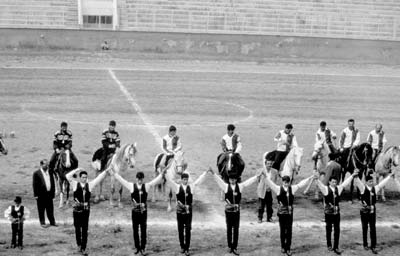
325	135
233	195
82	191
285	196
286	141
184	198
332	194
139	191
62	141
368	210
111	141
377	139
230	143
349	138
171	144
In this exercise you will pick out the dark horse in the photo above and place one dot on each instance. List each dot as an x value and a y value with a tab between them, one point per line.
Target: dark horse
360	158
230	165
64	164
3	148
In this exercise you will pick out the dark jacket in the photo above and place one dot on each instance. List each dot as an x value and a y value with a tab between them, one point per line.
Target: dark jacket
39	185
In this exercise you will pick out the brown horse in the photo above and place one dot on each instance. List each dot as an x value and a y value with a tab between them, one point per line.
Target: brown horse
64	165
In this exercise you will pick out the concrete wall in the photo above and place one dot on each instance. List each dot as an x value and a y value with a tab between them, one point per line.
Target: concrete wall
205	46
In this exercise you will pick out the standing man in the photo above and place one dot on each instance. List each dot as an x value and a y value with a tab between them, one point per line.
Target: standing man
44	191
233	196
139	191
62	141
349	138
171	144
264	191
285	197
332	169
111	141
368	211
184	199
332	211
82	191
377	139
286	140
230	143
17	214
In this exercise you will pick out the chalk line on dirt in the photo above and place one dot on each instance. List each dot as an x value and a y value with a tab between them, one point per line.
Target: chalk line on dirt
131	99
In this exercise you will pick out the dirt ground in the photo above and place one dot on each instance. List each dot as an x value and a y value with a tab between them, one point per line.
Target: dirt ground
40	89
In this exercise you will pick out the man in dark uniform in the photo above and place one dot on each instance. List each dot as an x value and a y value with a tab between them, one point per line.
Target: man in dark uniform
17	214
81	210
285	197
233	196
139	192
332	211
368	211
62	141
184	199
110	140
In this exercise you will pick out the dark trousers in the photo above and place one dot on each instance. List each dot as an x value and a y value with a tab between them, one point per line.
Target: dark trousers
104	157
332	220
139	220
17	230
369	219
184	229
344	157
232	228
45	203
265	203
81	223
279	158
285	224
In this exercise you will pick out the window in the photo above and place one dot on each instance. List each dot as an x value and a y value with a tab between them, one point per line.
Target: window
94	21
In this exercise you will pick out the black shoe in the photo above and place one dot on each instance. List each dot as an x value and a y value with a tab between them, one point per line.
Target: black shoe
235	252
143	252
366	248
269	220
283	250
337	251
13	246
259	220
187	253
84	252
54	225
137	251
43	225
374	251
183	251
230	250
288	253
330	248
20	247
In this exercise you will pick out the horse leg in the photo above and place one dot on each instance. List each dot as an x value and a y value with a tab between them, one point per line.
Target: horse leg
112	190
351	190
67	190
169	200
120	205
61	193
383	190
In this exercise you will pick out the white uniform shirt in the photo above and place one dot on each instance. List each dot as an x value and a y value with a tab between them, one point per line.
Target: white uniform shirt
281	138
7	213
168	140
375	139
348	138
320	136
229	144
46	177
91	184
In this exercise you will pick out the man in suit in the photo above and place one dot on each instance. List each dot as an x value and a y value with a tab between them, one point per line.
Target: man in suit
44	192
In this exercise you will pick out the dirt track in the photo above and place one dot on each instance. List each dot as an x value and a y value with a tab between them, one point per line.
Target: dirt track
260	99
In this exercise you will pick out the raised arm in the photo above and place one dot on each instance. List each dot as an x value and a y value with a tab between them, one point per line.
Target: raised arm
345	183
155	181
383	183
302	184
126	184
199	179
248	182
70	175
221	184
272	185
322	187
97	180
359	184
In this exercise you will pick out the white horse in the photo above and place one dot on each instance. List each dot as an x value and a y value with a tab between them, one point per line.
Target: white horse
176	166
123	159
384	164
291	164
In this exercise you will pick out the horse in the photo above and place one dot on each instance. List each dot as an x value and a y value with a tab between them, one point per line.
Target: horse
384	163
3	148
175	167
360	158
290	165
231	164
64	164
123	159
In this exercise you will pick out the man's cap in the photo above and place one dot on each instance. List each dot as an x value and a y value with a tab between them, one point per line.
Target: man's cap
112	123
18	200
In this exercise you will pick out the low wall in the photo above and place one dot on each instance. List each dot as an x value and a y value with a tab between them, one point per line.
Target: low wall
198	46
